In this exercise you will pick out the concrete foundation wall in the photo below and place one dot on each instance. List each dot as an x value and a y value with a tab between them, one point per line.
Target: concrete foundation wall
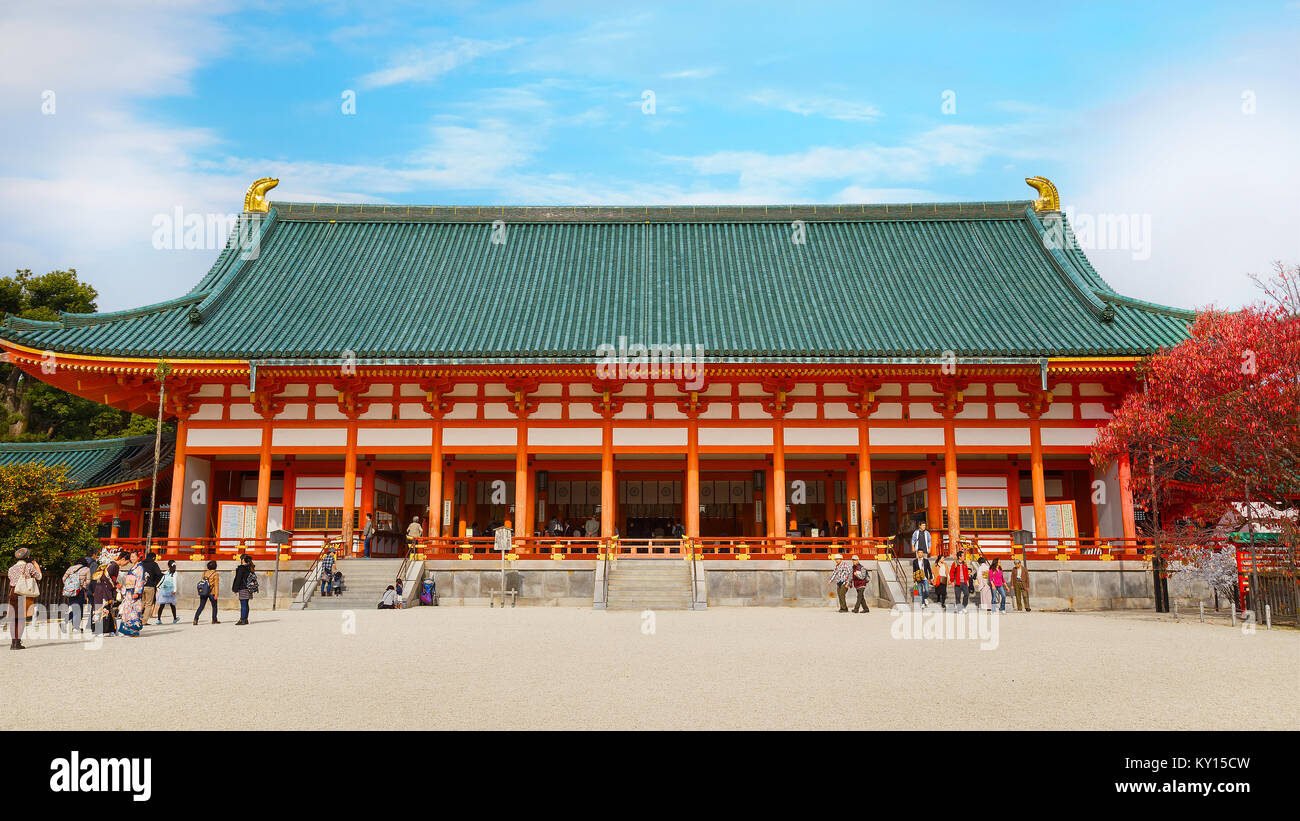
287	578
781	584
540	583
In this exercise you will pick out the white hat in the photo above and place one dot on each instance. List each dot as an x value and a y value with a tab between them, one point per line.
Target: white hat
856	559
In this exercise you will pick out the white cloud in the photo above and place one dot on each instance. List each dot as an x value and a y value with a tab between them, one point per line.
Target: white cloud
816	106
428	64
691	74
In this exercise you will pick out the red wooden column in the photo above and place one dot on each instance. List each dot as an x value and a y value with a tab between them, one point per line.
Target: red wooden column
933	501
692	496
1013	496
769	499
865	501
1039	483
607	478
349	487
287	494
778	478
950	480
1126	496
264	483
435	483
471	504
850	496
520	523
178	483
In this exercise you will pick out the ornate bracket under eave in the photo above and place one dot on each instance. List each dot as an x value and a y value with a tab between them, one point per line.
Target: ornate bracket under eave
255	200
1048	198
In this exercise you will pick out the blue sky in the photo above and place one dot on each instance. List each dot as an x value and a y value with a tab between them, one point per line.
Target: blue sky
1178	119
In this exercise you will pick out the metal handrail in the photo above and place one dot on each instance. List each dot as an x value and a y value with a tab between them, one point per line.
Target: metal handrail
309	584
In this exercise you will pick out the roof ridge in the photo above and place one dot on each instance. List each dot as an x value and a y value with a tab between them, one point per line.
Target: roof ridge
1143	305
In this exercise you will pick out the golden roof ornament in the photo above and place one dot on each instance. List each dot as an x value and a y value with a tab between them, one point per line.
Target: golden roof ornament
1048	199
255	199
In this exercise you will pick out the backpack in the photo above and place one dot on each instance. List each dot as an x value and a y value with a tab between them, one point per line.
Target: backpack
72	582
167	583
250	584
426	595
204	589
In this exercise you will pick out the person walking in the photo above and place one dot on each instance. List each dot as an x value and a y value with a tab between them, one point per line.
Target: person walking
414	530
244	586
131	585
152	575
1020	585
840	578
326	571
368	534
24	575
104	585
167	594
76	588
208	588
858	578
959	579
999	587
941	582
985	600
921	574
920	539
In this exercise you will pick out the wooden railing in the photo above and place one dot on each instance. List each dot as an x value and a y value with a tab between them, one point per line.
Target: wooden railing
302	548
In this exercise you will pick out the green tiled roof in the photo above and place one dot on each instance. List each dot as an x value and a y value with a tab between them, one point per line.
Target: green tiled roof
429	283
95	463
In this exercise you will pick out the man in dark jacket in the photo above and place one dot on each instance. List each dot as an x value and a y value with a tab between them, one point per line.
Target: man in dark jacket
921	576
1020	584
152	575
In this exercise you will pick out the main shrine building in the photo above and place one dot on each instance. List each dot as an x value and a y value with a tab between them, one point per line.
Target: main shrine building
746	371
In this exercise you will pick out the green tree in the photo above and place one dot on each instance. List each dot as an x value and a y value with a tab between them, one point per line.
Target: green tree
57	529
33	410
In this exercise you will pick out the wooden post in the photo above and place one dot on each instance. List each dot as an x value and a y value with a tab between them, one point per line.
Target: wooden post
1124	470
520	521
287	493
781	523
435	483
692	496
178	484
449	492
607	480
1039	484
349	487
950	479
852	495
865	501
769	501
933	501
263	484
1013	496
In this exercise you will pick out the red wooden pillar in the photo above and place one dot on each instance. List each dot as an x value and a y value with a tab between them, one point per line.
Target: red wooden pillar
1013	496
263	483
1038	481
449	492
933	501
287	489
435	483
950	480
1124	470
865	501
692	496
607	479
520	523
178	483
782	522
349	487
851	496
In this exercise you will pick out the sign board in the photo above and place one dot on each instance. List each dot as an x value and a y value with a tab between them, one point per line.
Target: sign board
502	537
853	512
446	512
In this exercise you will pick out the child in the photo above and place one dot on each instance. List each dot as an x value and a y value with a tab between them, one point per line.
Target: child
398	587
337	585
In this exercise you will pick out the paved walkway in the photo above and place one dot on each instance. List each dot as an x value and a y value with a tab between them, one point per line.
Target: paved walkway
561	668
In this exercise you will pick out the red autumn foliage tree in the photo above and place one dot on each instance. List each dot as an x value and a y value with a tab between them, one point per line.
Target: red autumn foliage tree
1218	418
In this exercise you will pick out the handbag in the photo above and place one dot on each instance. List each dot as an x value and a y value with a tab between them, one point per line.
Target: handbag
27	587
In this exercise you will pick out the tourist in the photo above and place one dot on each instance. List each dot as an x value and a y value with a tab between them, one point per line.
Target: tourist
368	534
398	587
130	583
921	574
209	587
105	594
414	530
959	578
76	586
920	539
244	586
840	578
554	528
679	530
1020	585
983	598
941	582
326	571
152	574
24	589
389	601
336	583
167	593
998	586
858	578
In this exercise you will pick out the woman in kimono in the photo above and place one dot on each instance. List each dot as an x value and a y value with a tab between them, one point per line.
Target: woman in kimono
131	611
104	586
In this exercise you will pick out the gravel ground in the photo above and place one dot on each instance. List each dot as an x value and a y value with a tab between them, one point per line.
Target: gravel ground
732	668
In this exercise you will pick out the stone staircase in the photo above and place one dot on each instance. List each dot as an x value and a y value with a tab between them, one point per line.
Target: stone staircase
364	583
649	584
